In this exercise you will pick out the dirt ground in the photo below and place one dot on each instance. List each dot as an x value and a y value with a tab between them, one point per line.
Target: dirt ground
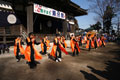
99	64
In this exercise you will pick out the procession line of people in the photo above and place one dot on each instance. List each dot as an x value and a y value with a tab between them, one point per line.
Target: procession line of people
31	55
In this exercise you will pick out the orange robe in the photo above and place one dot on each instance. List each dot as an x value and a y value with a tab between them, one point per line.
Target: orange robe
42	47
96	41
72	44
65	43
92	43
88	43
53	50
28	52
55	47
22	51
102	39
47	44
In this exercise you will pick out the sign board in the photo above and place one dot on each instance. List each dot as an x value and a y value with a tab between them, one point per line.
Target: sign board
48	11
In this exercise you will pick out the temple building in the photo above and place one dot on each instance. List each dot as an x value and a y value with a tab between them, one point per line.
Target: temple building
43	17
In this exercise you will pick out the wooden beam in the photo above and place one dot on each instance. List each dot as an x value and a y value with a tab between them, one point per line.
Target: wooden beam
30	18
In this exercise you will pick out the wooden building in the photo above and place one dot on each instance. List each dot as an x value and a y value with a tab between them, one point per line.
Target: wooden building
43	17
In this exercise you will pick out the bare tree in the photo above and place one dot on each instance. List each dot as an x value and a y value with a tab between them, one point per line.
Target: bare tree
99	7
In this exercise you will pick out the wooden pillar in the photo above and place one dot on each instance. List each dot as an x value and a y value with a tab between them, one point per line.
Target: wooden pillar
4	37
30	17
65	28
21	30
72	28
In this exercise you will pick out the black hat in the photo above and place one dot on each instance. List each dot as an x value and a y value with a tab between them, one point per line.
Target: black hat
31	33
89	35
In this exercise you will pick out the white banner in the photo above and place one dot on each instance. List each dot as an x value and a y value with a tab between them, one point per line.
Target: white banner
48	11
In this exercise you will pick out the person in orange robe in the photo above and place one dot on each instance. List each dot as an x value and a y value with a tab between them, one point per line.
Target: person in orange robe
18	48
96	44
89	42
31	54
102	41
45	45
80	40
64	44
74	46
57	48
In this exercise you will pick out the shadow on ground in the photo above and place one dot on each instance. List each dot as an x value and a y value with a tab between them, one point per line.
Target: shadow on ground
89	76
51	57
111	72
117	53
83	49
33	64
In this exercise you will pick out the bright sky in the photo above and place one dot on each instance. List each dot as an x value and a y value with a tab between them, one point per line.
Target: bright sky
85	21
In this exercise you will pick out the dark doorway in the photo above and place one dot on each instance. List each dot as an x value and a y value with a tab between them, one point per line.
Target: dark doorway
46	25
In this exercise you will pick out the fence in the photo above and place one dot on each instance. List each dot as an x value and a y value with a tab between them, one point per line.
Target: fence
8	34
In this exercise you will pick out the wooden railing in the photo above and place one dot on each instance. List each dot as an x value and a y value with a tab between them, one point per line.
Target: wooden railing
6	38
